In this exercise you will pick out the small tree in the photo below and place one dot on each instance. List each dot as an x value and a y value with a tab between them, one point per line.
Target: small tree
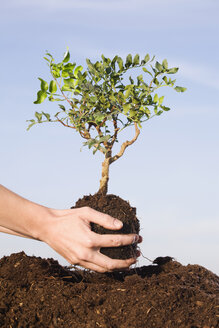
102	101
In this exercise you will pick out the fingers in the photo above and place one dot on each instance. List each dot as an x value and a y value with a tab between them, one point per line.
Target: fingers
102	219
92	266
109	264
81	246
96	261
114	240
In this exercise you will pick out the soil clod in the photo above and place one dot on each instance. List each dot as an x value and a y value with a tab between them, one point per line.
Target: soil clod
119	209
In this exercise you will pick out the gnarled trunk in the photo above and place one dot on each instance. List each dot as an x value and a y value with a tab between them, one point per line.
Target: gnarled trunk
105	177
109	159
105	173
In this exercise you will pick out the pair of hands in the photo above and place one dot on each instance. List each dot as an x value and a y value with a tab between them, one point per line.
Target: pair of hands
69	233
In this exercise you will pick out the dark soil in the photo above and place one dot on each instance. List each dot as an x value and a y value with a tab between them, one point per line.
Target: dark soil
117	208
35	292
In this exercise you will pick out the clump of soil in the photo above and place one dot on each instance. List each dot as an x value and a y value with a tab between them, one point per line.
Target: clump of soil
117	208
39	293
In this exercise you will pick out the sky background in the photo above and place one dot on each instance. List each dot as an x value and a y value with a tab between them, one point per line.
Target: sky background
171	174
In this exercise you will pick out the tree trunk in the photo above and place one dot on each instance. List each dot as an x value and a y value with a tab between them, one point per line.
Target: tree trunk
105	176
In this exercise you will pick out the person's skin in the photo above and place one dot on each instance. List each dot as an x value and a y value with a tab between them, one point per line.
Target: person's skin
68	232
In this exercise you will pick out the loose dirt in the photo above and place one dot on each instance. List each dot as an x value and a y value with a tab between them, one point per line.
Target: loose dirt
37	292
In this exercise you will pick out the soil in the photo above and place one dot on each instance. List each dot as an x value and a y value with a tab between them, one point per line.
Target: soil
37	292
117	208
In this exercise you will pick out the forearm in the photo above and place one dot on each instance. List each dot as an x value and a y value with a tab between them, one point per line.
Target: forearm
20	216
12	232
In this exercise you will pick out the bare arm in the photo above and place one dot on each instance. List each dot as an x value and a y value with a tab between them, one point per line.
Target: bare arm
67	231
11	232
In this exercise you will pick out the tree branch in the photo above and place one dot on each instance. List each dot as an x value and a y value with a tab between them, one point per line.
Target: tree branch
126	144
69	126
116	129
85	134
66	98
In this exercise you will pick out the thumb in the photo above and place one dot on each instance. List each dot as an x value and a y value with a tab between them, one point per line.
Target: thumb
102	219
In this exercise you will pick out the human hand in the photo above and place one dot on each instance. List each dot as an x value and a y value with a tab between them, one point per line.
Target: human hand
69	233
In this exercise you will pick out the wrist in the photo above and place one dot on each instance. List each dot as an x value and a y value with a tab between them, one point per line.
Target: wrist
43	223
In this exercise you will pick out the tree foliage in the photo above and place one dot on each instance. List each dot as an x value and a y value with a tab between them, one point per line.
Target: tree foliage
103	100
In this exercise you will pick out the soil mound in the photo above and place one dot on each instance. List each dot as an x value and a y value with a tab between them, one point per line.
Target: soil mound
36	292
117	208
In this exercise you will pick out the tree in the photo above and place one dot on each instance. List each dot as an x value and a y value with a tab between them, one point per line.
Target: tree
102	101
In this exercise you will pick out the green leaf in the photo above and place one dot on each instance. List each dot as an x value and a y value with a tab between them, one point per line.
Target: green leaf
131	80
113	62
146	71
59	99
108	70
69	67
165	64
172	70
51	98
89	64
32	122
136	59
140	78
47	116
104	138
126	108
46	59
120	63
41	96
165	79
65	73
165	108
156	81
161	100
99	117
156	98
146	58
90	143
98	66
132	113
39	116
128	60
57	114
66	88
44	85
159	67
77	69
56	73
66	57
104	58
128	91
180	89
48	54
52	86
70	83
62	107
147	112
152	59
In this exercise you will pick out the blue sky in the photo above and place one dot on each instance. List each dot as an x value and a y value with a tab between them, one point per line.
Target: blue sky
171	173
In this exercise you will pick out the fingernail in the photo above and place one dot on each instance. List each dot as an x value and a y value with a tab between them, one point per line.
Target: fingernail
118	224
138	253
135	239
